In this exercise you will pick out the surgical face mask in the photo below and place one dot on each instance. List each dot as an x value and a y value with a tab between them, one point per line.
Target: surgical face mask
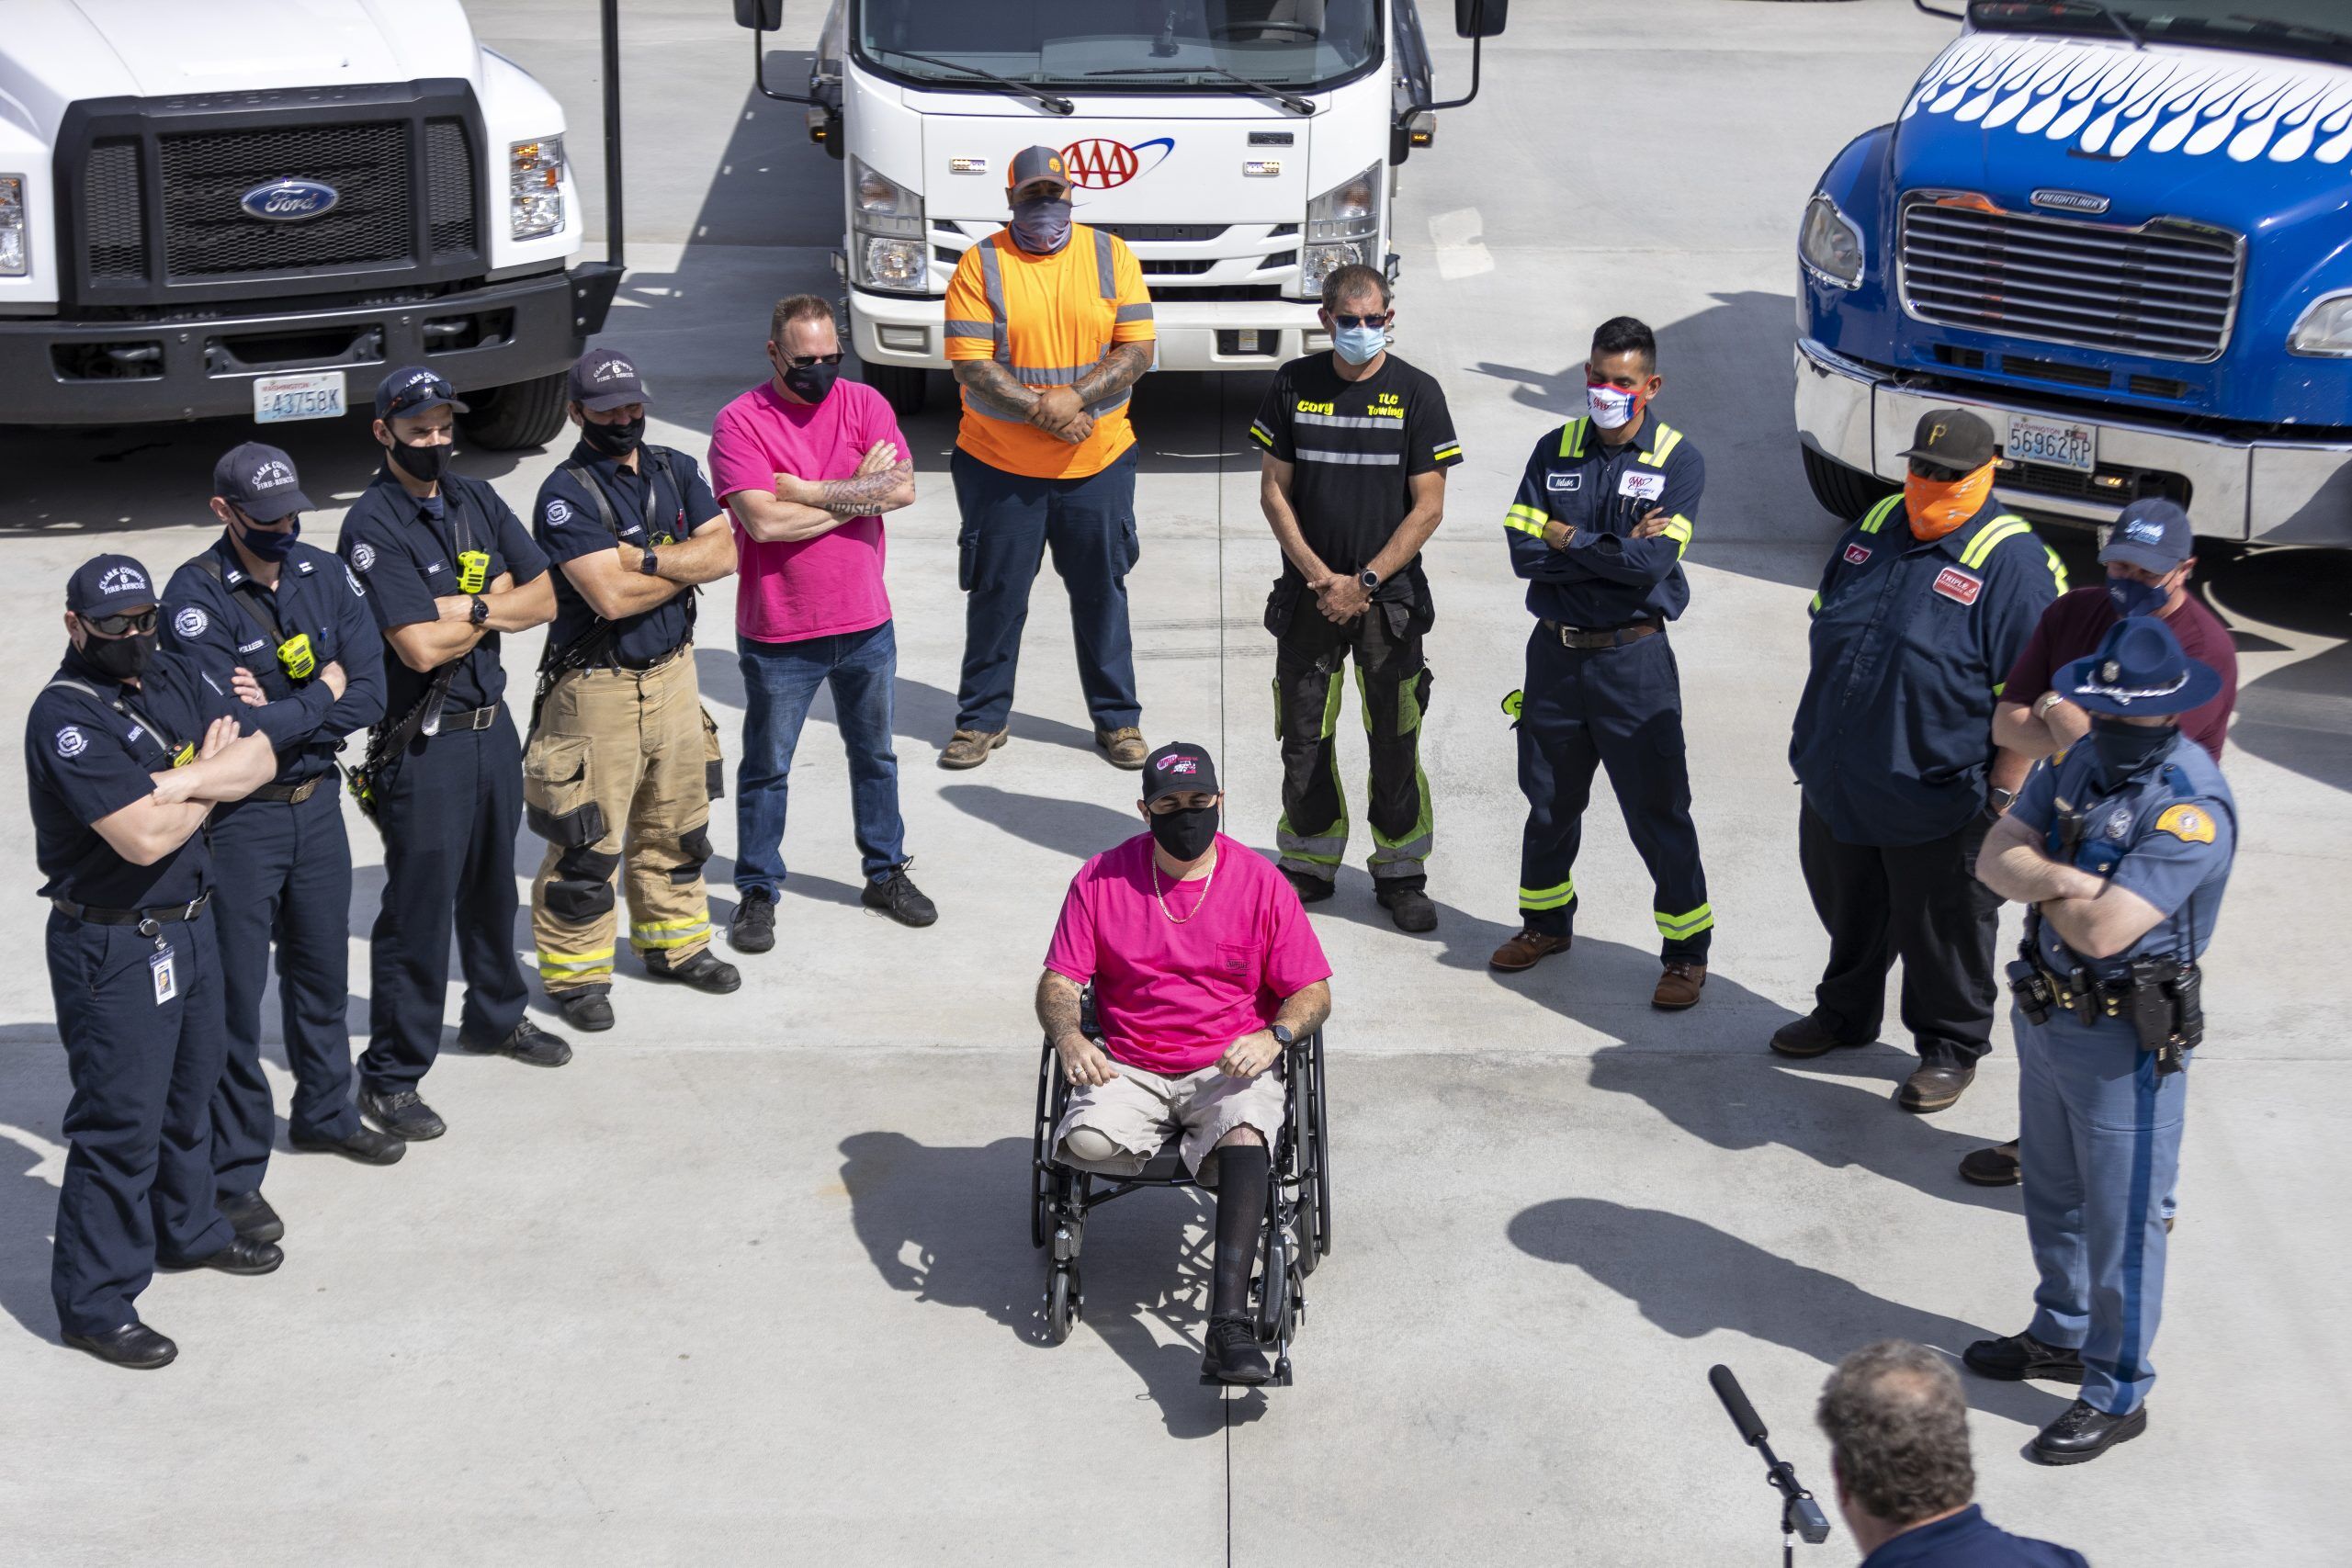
1357	345
120	657
424	463
809	383
1185	834
267	544
2134	597
617	439
2125	748
1611	408
1041	224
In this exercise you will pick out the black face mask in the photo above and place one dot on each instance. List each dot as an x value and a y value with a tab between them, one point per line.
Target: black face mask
615	440
424	463
267	544
1186	834
809	383
120	657
2124	749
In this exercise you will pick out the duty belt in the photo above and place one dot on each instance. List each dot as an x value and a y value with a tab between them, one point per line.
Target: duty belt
1604	636
637	666
293	793
456	720
148	920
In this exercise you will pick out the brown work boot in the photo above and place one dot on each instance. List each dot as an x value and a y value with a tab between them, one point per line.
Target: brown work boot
1996	1166
1679	987
1523	951
970	748
1123	746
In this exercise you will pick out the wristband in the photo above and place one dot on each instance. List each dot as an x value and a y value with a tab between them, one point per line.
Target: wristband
2045	703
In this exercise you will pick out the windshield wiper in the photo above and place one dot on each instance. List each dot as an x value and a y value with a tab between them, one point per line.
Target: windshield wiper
2291	29
2114	18
1260	89
1057	104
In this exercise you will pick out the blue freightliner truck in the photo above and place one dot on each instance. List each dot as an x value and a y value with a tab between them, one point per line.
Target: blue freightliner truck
2122	231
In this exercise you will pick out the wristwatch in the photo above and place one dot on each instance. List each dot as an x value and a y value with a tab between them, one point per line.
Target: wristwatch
2000	800
2045	703
1369	578
481	611
1282	1037
649	564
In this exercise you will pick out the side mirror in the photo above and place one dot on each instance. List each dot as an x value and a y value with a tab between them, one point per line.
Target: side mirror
767	15
1472	18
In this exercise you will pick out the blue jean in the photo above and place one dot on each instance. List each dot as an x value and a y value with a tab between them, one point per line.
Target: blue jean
780	681
1010	520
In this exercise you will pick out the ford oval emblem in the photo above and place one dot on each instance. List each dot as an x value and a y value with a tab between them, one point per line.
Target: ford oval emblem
2069	201
290	201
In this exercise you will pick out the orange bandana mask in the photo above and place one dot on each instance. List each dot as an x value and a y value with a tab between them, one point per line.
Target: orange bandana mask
1937	506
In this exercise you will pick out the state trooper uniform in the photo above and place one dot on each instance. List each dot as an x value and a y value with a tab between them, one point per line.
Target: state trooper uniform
1602	687
623	761
282	860
134	972
2102	1043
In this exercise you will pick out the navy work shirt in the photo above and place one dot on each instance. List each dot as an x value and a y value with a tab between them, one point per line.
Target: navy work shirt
1968	1540
2168	834
646	509
87	757
1912	640
215	611
1605	577
405	553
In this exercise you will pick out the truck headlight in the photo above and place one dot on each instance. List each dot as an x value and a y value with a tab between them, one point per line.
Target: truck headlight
1830	244
535	186
16	245
1342	229
2325	331
886	232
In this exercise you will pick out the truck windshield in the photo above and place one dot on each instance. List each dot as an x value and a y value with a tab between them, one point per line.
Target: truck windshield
2314	29
1088	43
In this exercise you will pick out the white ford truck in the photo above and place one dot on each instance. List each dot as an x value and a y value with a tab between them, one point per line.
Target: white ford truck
257	206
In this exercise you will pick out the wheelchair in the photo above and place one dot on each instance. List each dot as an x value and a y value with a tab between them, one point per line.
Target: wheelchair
1297	1232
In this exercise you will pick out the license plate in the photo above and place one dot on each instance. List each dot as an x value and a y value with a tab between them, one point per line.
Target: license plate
2052	442
317	395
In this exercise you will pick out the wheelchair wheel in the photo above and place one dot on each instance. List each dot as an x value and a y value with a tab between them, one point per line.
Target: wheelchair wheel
1040	1175
1062	1305
1321	1134
1275	1288
1311	1246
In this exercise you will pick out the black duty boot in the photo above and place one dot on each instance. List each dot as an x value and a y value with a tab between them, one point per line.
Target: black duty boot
754	927
2021	1356
1409	908
2081	1433
134	1345
706	971
365	1144
402	1114
250	1215
526	1043
589	1008
899	897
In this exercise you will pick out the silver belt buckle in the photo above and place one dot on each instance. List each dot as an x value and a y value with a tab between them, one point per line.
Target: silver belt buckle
431	723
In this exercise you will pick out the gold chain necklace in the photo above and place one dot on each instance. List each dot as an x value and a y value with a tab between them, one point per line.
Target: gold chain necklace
1160	899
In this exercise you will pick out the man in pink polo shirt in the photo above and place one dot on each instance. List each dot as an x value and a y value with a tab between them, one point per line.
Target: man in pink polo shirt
806	464
1204	969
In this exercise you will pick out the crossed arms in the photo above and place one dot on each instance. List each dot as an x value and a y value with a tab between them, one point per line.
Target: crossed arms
801	509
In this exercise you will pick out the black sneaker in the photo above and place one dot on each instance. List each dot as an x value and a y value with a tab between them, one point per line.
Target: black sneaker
242	1256
250	1215
401	1115
1409	908
1233	1354
754	927
2021	1356
896	896
526	1043
365	1144
1311	889
706	971
588	1008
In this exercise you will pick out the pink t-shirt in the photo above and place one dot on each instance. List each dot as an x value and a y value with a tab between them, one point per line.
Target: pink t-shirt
818	587
1170	997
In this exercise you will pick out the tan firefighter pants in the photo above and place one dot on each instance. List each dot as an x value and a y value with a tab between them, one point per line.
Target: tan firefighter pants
618	770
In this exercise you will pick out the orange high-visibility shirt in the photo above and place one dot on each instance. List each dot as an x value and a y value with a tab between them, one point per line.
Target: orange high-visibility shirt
1048	320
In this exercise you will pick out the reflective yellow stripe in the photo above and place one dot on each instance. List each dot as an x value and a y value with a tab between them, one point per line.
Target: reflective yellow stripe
2057	567
1264	439
1999	686
1547	897
1572	438
1990	538
670	933
1677	528
1816	605
1452	449
572	966
1669	438
1876	516
1526	519
1690	925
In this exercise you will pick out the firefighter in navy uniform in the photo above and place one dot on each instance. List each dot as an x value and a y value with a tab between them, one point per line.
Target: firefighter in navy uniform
446	566
2121	846
125	750
1926	603
1602	517
622	759
288	617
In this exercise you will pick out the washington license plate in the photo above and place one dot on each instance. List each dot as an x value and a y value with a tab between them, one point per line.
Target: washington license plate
2052	442
317	395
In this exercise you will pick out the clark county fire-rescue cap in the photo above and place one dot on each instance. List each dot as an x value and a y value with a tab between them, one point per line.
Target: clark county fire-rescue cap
414	388
1952	438
108	585
1036	164
259	481
605	379
1177	768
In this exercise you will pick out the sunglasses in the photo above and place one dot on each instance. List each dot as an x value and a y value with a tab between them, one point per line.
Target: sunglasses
1350	323
142	622
1936	473
802	361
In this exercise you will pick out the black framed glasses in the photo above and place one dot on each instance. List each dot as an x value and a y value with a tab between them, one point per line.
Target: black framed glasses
1350	323
139	621
802	361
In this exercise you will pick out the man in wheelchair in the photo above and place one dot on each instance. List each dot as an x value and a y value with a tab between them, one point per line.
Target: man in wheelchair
1204	970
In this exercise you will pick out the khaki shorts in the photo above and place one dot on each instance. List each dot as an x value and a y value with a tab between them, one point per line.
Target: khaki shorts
1139	1109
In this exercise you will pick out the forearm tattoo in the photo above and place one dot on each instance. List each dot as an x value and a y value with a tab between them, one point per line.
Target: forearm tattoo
1121	369
864	494
1058	1003
992	385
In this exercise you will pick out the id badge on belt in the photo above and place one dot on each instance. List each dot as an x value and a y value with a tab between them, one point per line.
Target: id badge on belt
159	966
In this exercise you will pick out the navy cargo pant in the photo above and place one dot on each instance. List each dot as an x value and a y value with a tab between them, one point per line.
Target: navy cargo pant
449	819
283	870
139	1129
1619	708
2098	1148
1009	521
1393	686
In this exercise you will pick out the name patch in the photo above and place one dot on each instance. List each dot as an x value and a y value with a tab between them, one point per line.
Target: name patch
1564	484
1857	554
1957	585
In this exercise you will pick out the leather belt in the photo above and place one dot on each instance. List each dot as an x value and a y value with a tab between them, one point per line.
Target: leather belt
147	921
639	666
1604	636
293	793
459	721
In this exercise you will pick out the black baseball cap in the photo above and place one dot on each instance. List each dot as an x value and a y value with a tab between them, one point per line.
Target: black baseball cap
2152	535
1953	438
604	380
411	388
1036	164
260	481
108	585
1176	768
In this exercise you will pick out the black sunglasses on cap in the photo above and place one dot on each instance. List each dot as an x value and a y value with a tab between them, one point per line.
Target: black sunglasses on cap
139	621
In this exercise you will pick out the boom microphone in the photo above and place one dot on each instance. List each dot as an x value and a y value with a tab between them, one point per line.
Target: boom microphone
1743	1414
1800	1515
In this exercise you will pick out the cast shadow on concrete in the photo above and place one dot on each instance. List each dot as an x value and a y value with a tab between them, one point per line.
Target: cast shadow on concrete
1691	1280
949	1226
1078	828
2298	717
920	711
29	1202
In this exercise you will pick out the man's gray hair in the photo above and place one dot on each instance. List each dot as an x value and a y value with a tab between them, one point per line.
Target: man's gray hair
1898	1432
1352	279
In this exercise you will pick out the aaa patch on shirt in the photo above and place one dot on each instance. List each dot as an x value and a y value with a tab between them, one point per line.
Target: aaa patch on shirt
2186	823
1956	584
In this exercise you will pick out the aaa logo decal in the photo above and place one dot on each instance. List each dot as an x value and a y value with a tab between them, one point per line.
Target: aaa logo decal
1100	164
